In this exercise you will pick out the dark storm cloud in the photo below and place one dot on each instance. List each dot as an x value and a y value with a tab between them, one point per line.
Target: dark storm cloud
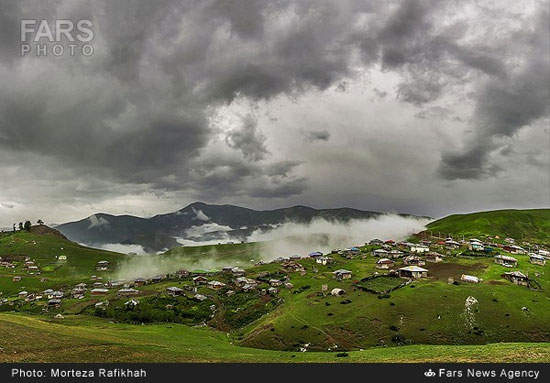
9	29
504	106
220	176
139	111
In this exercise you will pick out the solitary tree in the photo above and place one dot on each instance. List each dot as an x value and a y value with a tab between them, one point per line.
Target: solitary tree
28	225
14	227
40	222
20	225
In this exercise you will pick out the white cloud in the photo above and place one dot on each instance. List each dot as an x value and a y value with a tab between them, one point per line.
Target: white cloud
98	222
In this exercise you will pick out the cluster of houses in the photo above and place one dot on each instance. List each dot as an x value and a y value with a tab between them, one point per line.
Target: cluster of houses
53	297
413	256
29	265
6	264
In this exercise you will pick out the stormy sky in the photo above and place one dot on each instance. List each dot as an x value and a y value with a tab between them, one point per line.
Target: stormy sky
425	107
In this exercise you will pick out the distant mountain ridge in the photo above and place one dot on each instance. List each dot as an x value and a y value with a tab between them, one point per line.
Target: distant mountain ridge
211	221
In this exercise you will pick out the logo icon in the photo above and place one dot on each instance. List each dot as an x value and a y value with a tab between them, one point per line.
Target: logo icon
429	373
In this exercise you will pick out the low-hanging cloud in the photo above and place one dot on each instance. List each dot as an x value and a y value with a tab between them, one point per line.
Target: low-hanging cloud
283	240
124	249
96	222
324	235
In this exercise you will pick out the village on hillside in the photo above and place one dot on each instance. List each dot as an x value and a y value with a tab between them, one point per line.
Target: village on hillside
397	264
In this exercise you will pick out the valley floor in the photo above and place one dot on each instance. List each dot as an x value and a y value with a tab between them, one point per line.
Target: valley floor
86	339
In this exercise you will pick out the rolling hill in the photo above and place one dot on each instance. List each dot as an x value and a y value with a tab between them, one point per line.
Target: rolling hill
426	320
215	222
527	225
44	246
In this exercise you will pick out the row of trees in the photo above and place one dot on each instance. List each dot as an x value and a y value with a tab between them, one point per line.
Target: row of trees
27	225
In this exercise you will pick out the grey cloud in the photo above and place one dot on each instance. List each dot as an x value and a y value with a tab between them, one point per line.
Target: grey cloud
434	112
136	115
380	94
503	107
219	176
318	135
96	222
248	139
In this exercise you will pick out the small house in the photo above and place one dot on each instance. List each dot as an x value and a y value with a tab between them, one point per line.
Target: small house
23	294
288	285
291	266
536	259
275	282
174	291
384	263
476	246
337	292
127	292
395	254
102	265
412	272
451	244
62	258
54	302
434	257
238	272
380	253
249	287
242	281
158	278
342	274
99	292
506	260
199	297
200	280
272	291
216	285
58	294
324	260
414	260
514	249
418	248
182	273
516	277
375	242
140	282
315	254
16	279
469	278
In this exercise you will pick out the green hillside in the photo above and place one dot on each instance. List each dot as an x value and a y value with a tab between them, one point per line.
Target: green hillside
529	225
77	339
302	323
44	246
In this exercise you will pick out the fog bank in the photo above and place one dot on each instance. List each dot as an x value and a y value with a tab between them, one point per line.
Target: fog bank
282	241
323	235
